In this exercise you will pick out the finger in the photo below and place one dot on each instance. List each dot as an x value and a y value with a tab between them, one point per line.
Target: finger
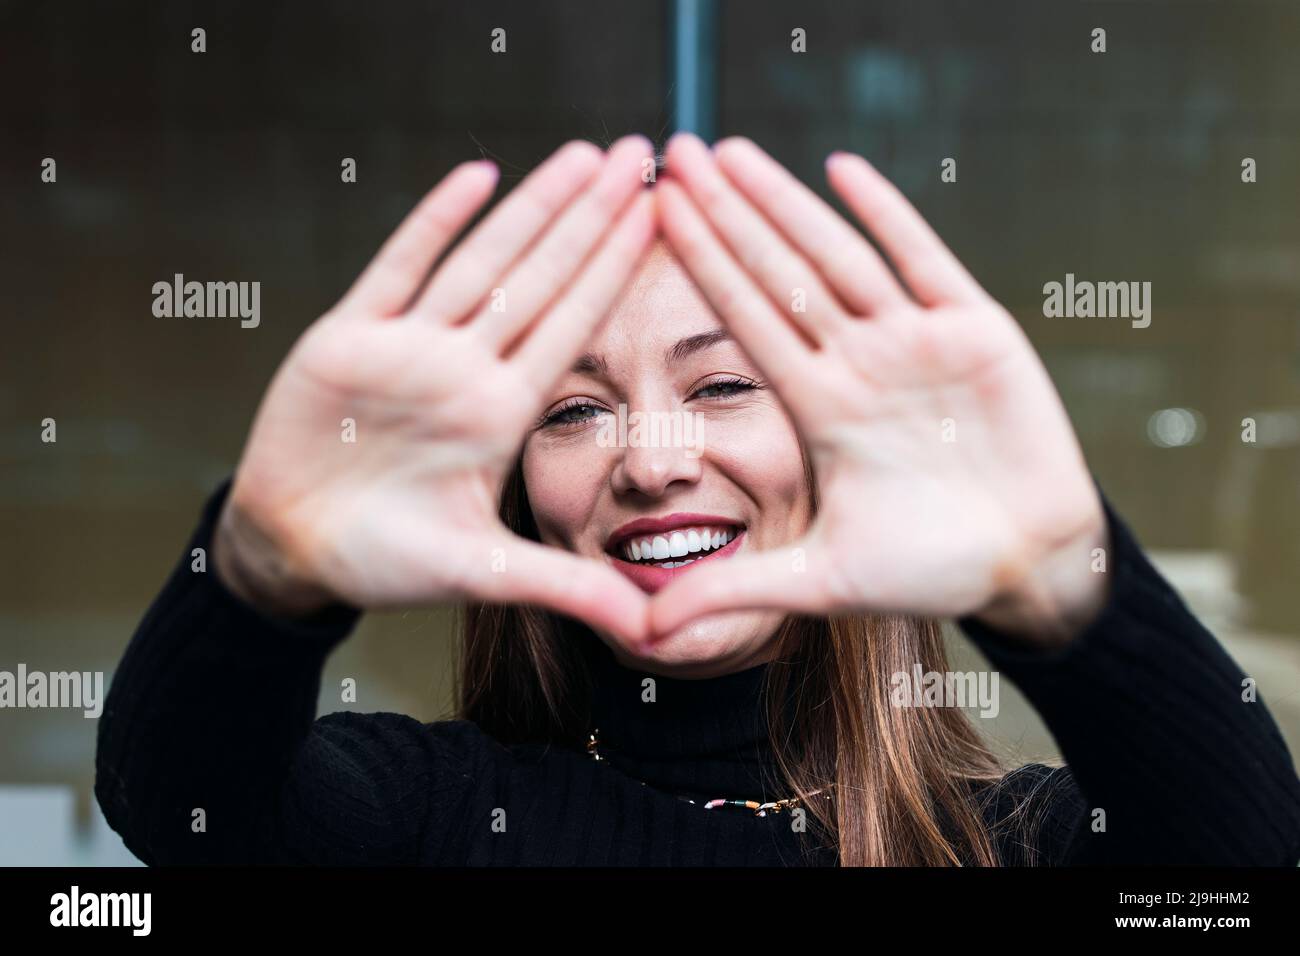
925	264
396	273
768	579
780	351
550	265
556	339
789	281
525	572
854	270
477	265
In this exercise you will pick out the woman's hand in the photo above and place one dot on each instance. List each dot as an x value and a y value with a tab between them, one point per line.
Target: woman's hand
949	479
374	466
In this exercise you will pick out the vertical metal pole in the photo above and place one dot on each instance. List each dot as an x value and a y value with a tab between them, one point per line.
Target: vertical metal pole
693	41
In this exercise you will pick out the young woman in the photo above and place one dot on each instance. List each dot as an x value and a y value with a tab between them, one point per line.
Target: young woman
678	652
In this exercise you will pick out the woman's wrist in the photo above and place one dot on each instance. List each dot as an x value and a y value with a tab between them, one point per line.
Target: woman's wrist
256	572
1059	595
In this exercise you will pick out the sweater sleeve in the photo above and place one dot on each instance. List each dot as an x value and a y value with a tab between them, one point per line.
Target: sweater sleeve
208	750
1171	758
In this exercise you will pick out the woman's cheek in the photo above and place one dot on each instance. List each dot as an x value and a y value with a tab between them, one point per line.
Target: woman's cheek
759	448
562	481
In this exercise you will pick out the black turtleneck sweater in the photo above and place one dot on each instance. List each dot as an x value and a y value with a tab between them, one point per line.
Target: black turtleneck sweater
213	709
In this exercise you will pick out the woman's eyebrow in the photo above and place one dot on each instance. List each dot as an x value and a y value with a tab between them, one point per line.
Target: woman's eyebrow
695	343
589	363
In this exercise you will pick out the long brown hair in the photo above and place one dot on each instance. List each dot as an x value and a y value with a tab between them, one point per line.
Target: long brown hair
906	779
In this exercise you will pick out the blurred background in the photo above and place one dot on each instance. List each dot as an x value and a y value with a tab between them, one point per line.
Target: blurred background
1121	166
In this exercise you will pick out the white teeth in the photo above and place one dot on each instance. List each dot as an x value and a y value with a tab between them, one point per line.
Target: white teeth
677	544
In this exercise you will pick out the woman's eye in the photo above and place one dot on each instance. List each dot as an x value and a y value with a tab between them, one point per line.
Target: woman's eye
725	388
579	412
574	414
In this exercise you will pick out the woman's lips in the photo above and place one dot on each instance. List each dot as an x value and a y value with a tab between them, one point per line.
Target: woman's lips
650	578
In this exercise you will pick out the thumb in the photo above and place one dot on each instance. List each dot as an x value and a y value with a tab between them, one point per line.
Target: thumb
524	572
783	578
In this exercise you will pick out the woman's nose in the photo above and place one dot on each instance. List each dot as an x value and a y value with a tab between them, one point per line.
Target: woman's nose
651	468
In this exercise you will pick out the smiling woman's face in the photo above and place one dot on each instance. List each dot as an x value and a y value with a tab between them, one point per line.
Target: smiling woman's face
716	473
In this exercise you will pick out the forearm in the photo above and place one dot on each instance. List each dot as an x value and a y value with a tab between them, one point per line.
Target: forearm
206	710
1150	713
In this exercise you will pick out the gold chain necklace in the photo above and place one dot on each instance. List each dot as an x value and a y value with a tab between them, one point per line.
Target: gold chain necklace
760	809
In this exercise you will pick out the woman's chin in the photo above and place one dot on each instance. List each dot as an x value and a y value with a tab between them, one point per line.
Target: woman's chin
708	647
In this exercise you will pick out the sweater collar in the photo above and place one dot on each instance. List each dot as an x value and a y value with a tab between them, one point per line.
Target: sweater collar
695	738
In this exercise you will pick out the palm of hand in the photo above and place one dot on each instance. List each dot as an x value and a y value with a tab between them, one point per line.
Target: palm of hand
948	475
411	428
939	447
374	466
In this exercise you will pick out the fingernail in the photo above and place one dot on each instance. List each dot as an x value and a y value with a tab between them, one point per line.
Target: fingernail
732	142
685	136
637	138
